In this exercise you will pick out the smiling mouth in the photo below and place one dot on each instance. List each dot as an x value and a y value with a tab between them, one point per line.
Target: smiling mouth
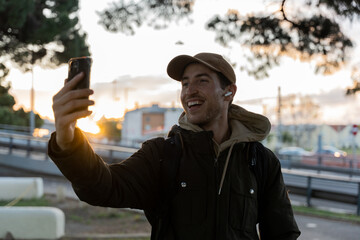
192	104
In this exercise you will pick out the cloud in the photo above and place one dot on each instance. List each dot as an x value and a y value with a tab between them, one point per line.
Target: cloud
128	92
141	83
337	108
335	96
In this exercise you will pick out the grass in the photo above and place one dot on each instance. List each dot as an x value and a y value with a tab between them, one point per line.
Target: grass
327	214
41	202
297	209
78	219
106	215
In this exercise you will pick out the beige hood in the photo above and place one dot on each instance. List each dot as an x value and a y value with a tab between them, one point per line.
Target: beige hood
245	126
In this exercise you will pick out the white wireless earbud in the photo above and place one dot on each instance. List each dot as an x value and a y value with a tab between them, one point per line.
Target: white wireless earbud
227	94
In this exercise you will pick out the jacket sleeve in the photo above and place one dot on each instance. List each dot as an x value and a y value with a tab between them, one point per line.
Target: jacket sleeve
277	220
132	183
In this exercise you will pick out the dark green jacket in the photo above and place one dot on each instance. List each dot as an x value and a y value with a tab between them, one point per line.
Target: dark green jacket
198	210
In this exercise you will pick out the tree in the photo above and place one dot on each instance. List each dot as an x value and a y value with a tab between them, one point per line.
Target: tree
317	38
8	116
125	16
287	137
44	32
109	128
311	33
6	100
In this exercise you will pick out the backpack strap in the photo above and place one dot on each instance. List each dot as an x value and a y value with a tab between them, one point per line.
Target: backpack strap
159	217
258	163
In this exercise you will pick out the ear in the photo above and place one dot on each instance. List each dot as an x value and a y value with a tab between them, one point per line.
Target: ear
231	88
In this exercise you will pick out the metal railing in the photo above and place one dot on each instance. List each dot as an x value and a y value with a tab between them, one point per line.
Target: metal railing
325	186
39	145
348	169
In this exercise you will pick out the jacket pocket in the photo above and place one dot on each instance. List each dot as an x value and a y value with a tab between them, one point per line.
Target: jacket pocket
190	206
243	212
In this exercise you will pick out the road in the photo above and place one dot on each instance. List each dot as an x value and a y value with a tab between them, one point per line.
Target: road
313	228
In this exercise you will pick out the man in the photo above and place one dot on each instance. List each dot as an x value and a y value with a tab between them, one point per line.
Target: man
218	194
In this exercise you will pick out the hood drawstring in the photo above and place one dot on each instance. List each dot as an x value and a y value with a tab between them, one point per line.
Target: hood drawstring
225	167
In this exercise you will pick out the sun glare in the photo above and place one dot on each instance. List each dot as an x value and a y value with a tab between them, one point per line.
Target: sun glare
88	125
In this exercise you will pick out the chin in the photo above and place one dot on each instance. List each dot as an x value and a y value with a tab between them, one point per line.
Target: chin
195	120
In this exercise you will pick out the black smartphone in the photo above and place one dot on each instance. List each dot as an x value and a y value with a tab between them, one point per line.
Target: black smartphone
77	65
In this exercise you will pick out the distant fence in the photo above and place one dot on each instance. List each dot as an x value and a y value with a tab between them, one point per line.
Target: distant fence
31	144
12	128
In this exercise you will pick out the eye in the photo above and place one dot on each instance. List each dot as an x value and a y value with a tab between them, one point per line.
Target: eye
184	84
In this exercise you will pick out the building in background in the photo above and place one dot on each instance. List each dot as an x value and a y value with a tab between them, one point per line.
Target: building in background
309	136
145	123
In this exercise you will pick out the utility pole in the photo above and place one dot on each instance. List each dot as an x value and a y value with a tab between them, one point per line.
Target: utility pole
115	96
126	93
32	103
354	131
279	128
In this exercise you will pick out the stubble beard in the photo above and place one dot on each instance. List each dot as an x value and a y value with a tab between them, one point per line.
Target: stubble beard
203	121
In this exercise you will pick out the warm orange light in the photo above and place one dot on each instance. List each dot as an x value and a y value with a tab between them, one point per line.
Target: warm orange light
40	132
88	125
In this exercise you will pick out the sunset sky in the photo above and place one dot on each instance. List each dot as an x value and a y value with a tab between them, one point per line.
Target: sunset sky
135	66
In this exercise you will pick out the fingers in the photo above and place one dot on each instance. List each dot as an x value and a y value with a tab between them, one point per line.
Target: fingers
69	104
64	121
73	95
72	100
70	84
62	107
65	127
69	100
64	117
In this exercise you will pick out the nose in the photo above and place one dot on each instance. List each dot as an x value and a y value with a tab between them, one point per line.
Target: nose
192	89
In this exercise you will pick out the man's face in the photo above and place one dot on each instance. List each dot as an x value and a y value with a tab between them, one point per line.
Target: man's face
202	96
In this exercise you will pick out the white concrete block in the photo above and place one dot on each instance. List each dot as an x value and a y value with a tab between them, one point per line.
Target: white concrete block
32	222
27	187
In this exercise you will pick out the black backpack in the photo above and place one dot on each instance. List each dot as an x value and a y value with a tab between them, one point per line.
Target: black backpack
159	217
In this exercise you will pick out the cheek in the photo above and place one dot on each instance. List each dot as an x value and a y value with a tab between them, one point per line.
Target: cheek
182	98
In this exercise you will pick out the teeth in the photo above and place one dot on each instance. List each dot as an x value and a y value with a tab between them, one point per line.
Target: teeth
192	103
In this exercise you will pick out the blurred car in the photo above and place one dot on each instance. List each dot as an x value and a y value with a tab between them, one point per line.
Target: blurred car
332	156
331	152
294	153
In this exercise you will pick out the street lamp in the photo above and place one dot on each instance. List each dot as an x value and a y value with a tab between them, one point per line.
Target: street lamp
32	101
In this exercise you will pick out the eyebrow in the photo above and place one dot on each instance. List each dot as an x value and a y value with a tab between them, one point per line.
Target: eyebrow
197	76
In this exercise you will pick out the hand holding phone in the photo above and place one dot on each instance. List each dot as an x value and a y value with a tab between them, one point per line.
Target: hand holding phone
70	104
77	65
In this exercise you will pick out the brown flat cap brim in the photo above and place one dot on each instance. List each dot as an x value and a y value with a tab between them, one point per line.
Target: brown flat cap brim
216	62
